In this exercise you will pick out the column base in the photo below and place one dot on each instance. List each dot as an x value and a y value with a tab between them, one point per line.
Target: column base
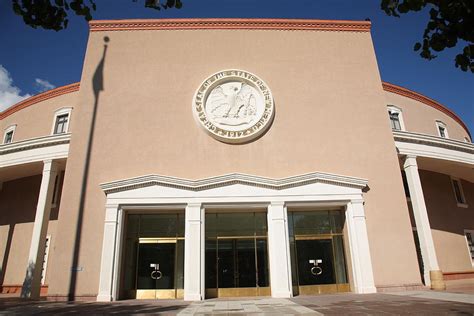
367	290
104	298
192	297
281	295
437	282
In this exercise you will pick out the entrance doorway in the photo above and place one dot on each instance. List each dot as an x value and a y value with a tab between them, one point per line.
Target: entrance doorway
236	255
317	252
154	257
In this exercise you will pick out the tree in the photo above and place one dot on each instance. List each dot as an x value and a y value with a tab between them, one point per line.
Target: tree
53	14
450	21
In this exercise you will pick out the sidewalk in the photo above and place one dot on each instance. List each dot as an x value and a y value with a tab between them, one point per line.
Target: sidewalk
457	300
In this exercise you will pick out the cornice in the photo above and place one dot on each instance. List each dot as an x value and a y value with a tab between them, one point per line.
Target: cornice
229	23
390	87
73	87
231	179
435	141
33	143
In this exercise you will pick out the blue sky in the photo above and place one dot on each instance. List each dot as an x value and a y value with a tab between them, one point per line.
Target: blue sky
36	59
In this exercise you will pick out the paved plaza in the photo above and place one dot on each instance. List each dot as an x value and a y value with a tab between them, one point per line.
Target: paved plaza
457	300
338	304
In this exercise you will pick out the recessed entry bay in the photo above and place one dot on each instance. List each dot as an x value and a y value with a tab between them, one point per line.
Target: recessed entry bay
153	261
236	254
317	252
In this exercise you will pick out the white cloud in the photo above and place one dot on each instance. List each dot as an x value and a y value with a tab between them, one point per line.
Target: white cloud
43	85
9	94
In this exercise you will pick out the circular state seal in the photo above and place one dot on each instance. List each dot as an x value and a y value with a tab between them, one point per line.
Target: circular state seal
233	106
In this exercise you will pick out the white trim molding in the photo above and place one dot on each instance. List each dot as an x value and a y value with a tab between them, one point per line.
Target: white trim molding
158	192
421	145
35	150
58	112
229	179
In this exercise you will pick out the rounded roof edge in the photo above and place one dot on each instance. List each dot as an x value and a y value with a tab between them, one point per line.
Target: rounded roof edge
390	87
73	87
229	23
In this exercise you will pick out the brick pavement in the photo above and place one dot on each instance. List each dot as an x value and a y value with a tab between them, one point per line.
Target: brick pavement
382	304
334	304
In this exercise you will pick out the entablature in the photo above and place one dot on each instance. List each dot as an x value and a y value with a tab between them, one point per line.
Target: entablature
34	150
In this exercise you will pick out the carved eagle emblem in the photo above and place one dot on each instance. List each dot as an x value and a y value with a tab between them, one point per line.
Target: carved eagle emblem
232	103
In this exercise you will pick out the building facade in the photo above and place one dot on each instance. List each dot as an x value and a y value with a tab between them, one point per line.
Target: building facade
202	158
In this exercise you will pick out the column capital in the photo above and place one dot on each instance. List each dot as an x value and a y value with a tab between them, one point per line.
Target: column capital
112	205
50	165
194	205
357	201
410	161
111	212
358	209
277	203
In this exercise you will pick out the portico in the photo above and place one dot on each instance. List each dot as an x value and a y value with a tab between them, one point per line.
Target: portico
28	158
235	193
444	156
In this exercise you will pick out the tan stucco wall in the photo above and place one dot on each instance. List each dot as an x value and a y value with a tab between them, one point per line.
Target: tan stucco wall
330	117
17	215
421	118
37	119
448	221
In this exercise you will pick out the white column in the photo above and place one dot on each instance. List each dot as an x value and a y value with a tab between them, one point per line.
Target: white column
32	283
423	228
107	262
279	250
194	251
359	246
118	255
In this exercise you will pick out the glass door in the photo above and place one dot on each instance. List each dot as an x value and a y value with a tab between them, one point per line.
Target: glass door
155	268
236	257
317	252
236	263
315	262
153	256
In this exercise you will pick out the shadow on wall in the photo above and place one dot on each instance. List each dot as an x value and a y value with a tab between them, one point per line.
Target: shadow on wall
19	198
6	254
28	282
97	86
443	212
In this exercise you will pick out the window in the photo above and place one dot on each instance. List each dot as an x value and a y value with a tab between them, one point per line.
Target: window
57	186
442	131
45	259
396	119
61	121
470	242
458	192
8	135
61	124
405	184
